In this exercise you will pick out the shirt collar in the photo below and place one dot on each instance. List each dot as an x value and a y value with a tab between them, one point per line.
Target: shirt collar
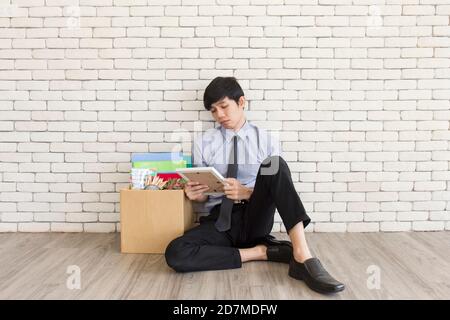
229	133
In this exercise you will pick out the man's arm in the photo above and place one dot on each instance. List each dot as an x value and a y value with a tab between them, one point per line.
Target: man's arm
248	194
195	191
236	191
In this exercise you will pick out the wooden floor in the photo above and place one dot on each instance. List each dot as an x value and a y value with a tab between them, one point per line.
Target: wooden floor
33	266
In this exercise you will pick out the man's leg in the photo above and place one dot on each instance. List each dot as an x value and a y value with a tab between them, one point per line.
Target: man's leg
256	253
202	248
277	187
300	247
274	189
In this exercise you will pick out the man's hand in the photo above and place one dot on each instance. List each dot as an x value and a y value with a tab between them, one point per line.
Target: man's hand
236	191
194	191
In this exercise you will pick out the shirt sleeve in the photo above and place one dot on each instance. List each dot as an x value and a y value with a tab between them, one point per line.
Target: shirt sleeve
275	146
197	152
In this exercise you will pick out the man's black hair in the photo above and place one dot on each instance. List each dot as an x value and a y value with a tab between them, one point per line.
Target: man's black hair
220	88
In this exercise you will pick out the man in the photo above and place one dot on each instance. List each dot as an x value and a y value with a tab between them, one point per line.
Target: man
258	182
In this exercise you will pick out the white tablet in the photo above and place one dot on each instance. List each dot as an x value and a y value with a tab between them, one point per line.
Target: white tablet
204	175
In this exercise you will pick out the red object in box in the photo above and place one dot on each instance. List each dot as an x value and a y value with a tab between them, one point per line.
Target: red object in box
167	176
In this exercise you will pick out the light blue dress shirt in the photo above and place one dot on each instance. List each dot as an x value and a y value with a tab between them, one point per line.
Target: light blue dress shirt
213	149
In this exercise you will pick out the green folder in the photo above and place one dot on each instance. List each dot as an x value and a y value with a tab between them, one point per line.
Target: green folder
188	160
161	166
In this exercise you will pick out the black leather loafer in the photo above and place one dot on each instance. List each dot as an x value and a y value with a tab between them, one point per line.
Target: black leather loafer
277	250
315	276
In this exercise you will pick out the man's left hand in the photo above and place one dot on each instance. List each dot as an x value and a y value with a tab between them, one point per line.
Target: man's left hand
235	190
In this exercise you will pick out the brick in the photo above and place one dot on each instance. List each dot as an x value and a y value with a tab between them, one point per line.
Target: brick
329	227
17	217
427	225
99	227
81	217
66	227
146	11
128	21
8	227
363	227
412	215
34	227
394	226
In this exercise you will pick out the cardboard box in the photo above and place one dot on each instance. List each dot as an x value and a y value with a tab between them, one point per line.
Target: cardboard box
150	219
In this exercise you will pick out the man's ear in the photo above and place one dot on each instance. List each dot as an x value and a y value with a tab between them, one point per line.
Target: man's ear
242	102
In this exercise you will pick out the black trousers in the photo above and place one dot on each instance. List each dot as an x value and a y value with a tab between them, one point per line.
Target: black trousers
205	248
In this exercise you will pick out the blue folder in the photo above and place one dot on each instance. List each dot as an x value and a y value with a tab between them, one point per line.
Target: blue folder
162	156
157	156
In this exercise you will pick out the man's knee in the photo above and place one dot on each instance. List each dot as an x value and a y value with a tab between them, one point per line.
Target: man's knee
177	255
273	165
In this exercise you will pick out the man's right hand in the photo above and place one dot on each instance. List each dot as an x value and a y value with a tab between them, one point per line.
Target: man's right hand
194	191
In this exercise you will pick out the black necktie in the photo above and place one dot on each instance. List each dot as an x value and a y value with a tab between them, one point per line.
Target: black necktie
223	223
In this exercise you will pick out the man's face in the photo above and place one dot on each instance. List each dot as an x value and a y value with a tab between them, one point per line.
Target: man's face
227	112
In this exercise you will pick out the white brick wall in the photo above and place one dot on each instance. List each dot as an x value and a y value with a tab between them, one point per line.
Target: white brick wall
358	90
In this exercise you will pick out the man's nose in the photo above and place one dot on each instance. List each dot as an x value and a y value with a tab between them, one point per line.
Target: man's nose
220	113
